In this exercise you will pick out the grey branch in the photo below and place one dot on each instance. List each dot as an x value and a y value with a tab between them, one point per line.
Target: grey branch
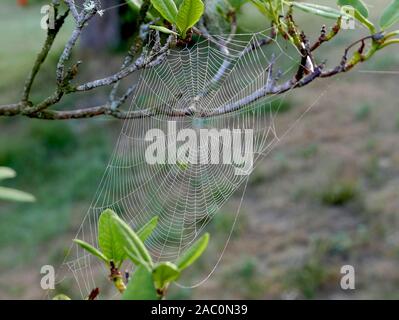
71	5
134	61
66	54
269	89
41	57
140	63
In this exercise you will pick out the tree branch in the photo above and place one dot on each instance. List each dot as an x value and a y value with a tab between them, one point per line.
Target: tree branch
51	35
140	63
71	5
158	53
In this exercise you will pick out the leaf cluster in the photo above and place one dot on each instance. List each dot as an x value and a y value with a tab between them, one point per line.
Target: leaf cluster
118	242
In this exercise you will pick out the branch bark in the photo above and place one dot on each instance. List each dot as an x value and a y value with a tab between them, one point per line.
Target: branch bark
48	43
158	53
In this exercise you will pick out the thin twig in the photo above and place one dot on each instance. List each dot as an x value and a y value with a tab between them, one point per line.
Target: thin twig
41	57
71	5
158	53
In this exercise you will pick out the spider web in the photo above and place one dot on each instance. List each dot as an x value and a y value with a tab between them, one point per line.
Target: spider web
185	198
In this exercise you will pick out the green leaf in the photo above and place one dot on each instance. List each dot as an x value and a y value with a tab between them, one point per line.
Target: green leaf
163	29
167	9
316	9
140	286
189	13
146	230
262	8
15	195
134	256
61	297
237	4
193	253
109	240
164	273
131	240
356	4
134	4
7	173
363	20
89	248
178	3
390	15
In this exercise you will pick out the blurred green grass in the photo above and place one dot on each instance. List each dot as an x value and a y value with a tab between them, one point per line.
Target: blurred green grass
60	163
22	37
50	164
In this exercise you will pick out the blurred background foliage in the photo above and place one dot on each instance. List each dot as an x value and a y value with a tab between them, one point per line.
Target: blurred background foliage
326	196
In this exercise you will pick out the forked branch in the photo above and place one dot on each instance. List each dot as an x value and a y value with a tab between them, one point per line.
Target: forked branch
156	53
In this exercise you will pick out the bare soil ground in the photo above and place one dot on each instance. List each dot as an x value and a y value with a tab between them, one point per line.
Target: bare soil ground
298	232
